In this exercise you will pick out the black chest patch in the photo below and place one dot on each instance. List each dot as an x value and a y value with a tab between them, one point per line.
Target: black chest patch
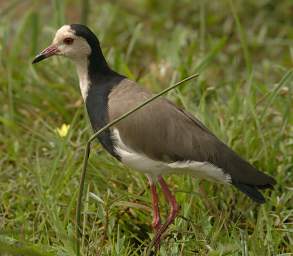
97	108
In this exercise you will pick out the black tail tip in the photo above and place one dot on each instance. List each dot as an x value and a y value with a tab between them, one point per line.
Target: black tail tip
251	191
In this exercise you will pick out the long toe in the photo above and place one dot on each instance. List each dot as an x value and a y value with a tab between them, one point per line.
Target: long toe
164	227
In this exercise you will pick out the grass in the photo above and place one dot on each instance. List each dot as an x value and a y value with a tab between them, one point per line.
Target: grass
243	52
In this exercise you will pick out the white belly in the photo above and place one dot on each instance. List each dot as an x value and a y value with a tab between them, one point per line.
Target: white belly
142	163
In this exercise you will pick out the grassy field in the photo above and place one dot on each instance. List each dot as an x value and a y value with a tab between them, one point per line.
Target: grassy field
243	51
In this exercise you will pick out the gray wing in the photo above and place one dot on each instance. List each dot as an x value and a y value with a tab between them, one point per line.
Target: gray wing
164	132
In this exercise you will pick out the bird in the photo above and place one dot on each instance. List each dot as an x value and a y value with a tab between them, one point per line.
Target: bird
158	139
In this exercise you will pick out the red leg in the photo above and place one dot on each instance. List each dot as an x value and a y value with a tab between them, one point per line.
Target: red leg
173	211
155	203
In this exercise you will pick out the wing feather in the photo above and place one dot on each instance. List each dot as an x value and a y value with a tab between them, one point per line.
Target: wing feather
167	133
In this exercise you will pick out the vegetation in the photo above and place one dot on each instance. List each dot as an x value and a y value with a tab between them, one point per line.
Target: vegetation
243	52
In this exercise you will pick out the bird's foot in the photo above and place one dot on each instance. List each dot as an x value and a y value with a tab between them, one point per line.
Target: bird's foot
164	227
161	229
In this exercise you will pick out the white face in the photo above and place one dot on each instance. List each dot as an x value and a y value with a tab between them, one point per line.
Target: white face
70	45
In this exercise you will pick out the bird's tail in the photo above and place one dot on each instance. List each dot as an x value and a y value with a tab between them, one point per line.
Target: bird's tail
252	191
246	177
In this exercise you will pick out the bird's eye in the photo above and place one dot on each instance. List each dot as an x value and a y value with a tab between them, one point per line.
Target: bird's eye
68	40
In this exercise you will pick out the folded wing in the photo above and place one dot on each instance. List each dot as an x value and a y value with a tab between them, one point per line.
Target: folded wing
163	132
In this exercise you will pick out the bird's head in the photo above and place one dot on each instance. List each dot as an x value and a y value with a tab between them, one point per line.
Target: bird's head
74	41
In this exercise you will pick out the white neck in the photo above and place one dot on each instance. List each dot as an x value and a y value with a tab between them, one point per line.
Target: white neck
82	71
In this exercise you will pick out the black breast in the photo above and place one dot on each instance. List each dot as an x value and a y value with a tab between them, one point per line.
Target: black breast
97	108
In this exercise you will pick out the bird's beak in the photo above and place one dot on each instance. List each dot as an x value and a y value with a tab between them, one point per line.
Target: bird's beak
46	53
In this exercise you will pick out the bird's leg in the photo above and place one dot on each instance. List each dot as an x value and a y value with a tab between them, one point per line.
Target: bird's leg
173	211
156	224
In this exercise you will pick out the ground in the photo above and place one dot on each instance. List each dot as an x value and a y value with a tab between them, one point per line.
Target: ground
243	53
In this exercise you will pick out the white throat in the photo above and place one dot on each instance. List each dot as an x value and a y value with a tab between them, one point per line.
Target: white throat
82	71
